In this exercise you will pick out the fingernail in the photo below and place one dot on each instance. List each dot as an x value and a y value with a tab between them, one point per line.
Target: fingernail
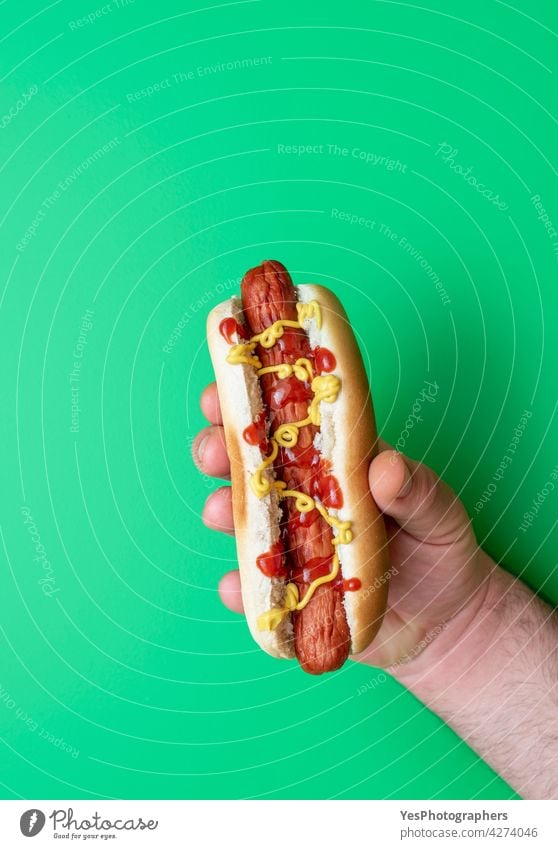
407	484
200	448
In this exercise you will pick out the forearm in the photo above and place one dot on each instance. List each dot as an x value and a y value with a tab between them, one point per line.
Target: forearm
494	680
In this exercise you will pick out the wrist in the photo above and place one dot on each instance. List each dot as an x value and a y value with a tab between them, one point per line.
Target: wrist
461	646
492	675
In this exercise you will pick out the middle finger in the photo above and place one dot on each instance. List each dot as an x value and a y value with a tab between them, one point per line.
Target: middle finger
210	453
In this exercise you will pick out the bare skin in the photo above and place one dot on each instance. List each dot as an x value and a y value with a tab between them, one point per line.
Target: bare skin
473	643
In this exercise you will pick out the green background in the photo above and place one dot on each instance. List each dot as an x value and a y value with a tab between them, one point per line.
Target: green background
130	679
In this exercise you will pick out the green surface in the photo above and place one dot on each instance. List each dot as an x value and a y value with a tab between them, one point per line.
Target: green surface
122	675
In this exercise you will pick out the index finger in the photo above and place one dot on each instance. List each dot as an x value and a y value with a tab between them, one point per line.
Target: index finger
209	403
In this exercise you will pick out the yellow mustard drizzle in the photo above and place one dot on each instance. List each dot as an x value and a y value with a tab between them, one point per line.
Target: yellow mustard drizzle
325	388
268	337
262	486
243	353
302	369
310	310
269	620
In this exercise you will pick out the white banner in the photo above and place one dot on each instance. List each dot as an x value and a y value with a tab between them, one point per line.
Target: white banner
273	825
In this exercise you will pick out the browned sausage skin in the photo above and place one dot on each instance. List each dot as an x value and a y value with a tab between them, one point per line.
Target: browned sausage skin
321	632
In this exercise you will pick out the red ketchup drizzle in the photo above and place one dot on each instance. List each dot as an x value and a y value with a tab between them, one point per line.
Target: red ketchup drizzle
254	434
324	360
327	488
228	327
316	567
287	391
351	585
302	520
272	562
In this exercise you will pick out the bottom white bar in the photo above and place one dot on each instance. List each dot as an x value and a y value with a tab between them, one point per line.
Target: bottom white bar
273	825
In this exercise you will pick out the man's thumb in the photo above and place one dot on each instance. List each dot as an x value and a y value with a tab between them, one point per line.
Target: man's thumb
413	495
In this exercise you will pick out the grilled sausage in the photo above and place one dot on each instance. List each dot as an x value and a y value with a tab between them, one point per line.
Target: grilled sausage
321	632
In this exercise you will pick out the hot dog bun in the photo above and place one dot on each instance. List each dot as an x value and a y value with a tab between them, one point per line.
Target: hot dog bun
347	438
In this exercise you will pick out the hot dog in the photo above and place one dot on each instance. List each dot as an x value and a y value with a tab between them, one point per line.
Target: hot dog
300	432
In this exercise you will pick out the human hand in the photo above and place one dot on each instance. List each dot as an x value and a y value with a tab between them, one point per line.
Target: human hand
437	568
